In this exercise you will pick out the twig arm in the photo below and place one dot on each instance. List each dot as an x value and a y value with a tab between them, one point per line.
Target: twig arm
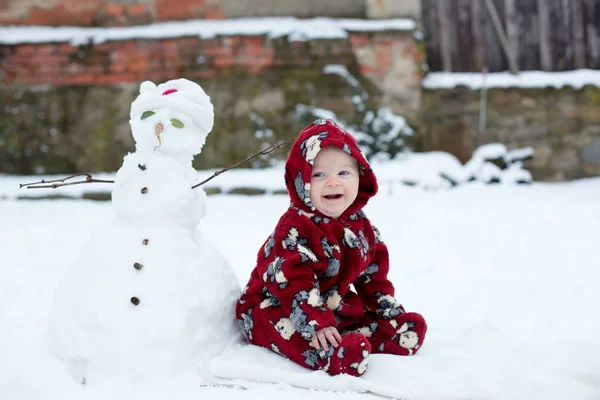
263	152
55	183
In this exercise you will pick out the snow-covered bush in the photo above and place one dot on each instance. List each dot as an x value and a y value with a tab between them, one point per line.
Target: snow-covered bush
493	163
437	170
380	133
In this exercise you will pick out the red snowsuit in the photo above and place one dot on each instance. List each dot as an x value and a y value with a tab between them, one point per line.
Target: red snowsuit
314	271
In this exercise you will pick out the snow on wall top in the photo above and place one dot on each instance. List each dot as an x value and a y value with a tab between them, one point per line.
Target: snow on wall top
297	29
526	79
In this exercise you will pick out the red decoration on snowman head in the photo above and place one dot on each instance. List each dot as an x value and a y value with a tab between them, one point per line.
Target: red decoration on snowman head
166	92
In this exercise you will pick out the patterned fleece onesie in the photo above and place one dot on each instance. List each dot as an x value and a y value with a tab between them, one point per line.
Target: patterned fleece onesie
314	271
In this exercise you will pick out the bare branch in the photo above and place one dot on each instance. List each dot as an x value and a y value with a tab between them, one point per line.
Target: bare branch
264	151
53	184
43	184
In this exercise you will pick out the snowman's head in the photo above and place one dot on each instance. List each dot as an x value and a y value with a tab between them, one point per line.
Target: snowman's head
174	118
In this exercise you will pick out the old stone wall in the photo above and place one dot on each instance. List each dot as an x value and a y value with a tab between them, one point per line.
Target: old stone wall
65	108
562	125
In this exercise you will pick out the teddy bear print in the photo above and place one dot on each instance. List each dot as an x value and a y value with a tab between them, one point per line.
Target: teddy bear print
408	339
333	299
377	235
311	147
303	191
370	270
333	264
352	241
346	149
361	366
246	324
388	306
367	331
270	302
269	245
285	327
316	218
292	242
298	316
312	358
275	274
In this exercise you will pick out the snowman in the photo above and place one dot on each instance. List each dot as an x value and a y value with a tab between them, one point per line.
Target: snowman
149	296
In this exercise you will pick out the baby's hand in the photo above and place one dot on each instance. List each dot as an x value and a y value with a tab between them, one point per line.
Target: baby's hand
330	334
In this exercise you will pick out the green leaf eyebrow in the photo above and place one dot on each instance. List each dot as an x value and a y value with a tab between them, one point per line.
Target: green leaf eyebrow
177	123
147	114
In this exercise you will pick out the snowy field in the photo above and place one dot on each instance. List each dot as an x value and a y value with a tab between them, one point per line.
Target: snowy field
506	276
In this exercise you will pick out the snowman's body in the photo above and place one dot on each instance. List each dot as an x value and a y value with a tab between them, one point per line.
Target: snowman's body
148	295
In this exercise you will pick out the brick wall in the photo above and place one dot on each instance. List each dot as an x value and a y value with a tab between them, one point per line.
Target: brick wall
162	59
105	12
135	12
66	107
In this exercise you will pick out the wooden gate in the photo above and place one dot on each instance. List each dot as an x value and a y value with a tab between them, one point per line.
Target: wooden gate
548	35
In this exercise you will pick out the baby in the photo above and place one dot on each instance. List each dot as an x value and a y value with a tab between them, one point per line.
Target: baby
319	294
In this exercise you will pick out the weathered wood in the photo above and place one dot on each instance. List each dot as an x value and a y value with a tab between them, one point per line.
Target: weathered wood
528	53
560	17
502	36
545	49
494	55
445	34
592	32
512	34
430	36
552	35
464	37
477	31
578	34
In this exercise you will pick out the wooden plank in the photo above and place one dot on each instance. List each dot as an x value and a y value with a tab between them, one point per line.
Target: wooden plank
431	34
591	15
491	8
464	37
494	55
578	34
529	52
455	47
445	34
562	47
543	9
512	35
478	39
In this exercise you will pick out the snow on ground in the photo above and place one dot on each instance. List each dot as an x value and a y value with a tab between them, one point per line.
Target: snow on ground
295	28
485	265
525	79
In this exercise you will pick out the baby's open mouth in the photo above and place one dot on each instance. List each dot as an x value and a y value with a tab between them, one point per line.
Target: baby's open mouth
333	196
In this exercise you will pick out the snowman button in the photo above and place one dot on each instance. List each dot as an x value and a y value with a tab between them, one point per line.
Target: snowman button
135	301
144	190
145	242
138	266
142	167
